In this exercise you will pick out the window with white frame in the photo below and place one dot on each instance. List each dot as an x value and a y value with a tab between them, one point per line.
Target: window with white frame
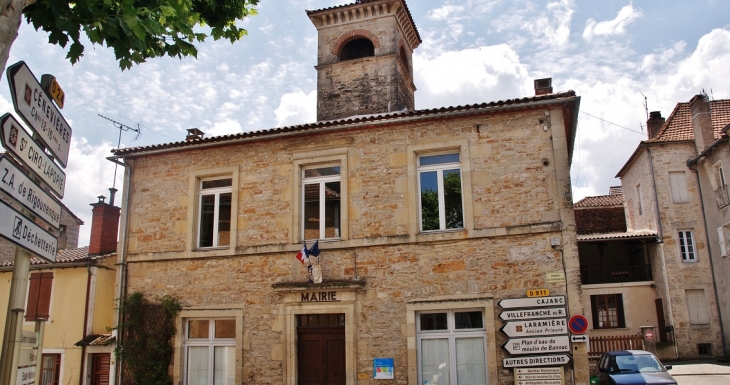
678	186
697	307
214	228
321	194
687	246
210	351
440	197
452	347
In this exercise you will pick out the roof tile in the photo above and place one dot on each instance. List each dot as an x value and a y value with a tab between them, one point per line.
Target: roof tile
678	126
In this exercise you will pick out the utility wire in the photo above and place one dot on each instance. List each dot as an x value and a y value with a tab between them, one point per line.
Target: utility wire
612	123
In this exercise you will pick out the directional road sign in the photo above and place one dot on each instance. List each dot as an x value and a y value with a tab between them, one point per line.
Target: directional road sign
16	140
578	324
25	233
29	339
553	300
534	328
14	182
579	338
37	109
552	312
546	360
537	345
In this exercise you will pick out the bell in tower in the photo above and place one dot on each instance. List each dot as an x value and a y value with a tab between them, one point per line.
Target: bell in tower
364	63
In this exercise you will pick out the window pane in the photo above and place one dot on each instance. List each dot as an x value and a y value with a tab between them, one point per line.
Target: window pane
434	321
198	328
470	362
332	209
225	328
429	201
311	211
469	320
323	171
452	199
224	363
217	183
435	361
438	159
207	213
224	220
197	365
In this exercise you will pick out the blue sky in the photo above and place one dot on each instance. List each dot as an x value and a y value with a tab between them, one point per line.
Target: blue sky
610	52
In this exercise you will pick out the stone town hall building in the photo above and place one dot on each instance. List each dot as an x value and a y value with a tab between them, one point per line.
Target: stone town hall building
426	219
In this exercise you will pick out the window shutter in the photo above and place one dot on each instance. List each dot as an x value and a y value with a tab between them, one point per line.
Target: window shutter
39	296
620	310
594	312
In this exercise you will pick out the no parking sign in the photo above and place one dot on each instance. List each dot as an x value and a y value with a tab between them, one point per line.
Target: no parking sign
578	324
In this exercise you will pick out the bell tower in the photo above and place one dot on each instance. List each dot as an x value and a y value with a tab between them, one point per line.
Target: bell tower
364	59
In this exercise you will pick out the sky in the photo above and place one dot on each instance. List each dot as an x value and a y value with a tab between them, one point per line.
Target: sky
623	58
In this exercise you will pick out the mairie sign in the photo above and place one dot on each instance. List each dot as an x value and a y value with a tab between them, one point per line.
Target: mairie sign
16	184
37	109
537	345
16	140
553	300
523	314
25	233
546	360
534	328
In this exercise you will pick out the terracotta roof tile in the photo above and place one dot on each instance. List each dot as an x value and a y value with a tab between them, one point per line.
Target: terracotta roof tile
619	235
678	126
601	201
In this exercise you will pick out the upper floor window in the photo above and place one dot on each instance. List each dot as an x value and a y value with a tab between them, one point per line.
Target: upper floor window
697	307
719	175
687	246
215	213
678	185
322	202
440	203
357	49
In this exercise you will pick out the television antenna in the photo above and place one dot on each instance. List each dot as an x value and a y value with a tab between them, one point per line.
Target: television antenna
121	127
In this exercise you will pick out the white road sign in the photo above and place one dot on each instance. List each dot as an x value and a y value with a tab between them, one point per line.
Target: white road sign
553	300
16	140
14	182
37	109
26	376
553	312
535	328
25	233
540	382
27	357
28	339
547	360
538	345
579	338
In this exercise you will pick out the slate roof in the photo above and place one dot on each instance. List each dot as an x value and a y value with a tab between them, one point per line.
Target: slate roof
601	201
618	235
64	256
678	126
392	117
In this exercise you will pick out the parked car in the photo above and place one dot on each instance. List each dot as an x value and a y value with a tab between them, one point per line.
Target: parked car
633	367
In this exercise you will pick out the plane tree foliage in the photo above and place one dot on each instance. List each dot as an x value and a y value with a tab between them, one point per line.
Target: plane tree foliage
136	30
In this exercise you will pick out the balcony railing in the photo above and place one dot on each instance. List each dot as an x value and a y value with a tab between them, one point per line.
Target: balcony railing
722	197
615	274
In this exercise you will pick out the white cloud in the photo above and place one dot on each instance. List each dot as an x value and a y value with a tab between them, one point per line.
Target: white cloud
627	15
296	108
663	57
226	127
553	27
445	12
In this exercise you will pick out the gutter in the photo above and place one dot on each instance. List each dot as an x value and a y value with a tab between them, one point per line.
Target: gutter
50	266
341	127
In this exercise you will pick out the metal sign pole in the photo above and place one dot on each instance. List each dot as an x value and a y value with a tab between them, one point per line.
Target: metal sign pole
14	320
40	328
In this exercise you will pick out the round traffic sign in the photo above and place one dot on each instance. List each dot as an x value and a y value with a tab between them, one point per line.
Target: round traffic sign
648	335
578	324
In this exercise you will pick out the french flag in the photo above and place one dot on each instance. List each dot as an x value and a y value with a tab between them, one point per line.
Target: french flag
302	254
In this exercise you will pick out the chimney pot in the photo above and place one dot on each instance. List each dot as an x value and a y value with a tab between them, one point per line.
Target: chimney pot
193	134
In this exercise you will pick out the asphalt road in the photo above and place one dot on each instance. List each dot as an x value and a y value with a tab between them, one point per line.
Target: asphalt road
703	379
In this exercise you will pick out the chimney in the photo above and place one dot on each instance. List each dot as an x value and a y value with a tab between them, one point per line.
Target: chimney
654	124
699	108
543	86
194	133
104	227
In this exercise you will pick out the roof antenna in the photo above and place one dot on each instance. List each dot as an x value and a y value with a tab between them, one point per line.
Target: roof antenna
646	105
121	127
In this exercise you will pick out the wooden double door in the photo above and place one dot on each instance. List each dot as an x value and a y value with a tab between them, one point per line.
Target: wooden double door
321	354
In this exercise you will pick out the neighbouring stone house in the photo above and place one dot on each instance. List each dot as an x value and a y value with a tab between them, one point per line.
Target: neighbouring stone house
661	194
425	220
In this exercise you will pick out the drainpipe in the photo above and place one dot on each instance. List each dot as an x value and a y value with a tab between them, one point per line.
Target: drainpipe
122	259
84	364
660	241
712	264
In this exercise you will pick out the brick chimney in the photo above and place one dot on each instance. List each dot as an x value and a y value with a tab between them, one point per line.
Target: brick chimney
543	86
655	123
104	226
699	108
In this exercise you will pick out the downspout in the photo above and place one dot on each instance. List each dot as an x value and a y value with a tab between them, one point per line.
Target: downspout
660	241
122	260
86	324
712	264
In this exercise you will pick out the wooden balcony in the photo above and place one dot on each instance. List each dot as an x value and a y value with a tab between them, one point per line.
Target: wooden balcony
615	274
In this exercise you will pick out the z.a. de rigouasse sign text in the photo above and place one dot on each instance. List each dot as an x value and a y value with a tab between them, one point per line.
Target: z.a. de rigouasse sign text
16	184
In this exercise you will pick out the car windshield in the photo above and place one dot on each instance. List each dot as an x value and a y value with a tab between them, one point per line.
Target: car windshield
638	363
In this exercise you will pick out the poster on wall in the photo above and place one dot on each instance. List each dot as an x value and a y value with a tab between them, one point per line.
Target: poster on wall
383	369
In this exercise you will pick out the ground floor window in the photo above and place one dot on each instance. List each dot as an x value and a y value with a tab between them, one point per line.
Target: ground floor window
210	351
451	347
607	311
50	369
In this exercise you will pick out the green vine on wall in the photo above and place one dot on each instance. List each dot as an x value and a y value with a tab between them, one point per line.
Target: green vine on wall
147	333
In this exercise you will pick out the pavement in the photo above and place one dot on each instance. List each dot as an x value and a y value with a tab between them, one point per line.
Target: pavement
699	367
